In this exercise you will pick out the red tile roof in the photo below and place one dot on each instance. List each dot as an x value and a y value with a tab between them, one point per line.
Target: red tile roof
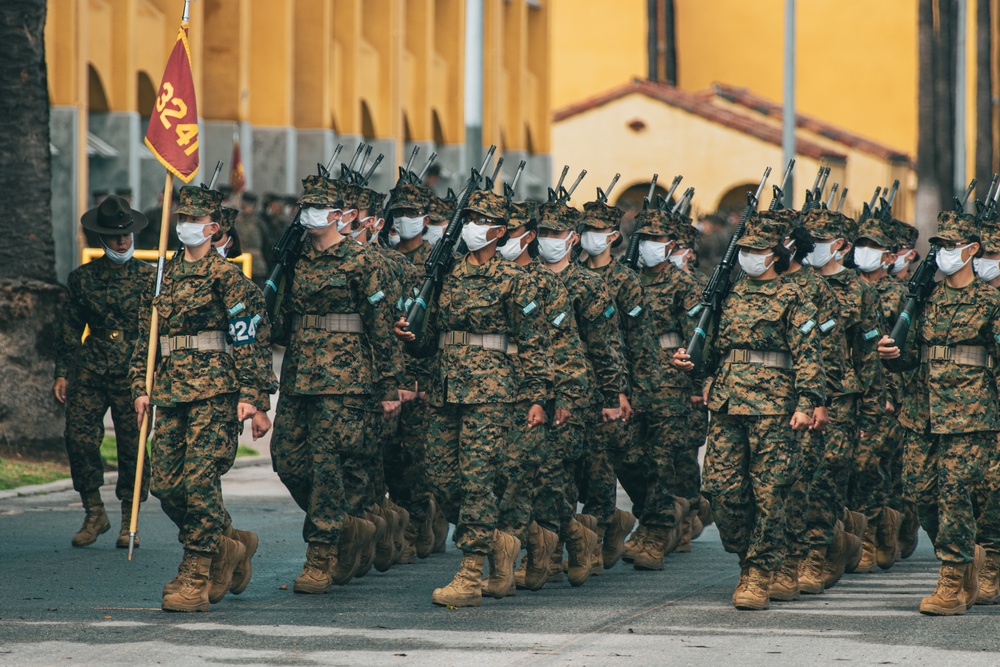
699	104
745	98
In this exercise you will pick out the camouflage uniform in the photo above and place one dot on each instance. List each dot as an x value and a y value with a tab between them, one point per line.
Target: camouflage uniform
341	361
197	385
248	226
987	498
610	442
108	299
753	456
950	409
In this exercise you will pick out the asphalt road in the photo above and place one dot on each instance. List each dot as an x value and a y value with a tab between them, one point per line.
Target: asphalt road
66	606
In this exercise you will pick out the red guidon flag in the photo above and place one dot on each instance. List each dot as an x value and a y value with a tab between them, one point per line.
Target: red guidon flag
173	128
237	177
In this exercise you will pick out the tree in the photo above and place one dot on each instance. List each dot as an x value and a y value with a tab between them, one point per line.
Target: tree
985	141
30	422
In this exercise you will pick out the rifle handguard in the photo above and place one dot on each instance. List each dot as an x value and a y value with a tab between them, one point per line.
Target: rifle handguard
900	330
696	346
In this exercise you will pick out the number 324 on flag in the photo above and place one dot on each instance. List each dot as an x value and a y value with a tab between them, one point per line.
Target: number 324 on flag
172	135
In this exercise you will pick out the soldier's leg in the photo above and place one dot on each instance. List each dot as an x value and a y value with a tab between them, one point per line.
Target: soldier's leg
826	499
602	483
726	481
666	435
801	499
483	435
127	437
633	467
85	408
549	505
442	459
168	451
291	450
517	473
961	464
774	464
920	477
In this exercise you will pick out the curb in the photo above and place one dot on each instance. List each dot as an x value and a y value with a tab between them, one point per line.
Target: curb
109	478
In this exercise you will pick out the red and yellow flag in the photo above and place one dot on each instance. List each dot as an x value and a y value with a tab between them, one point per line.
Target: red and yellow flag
237	177
173	129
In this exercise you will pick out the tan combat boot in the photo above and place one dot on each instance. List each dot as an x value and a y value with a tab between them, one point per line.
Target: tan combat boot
888	551
614	538
522	568
989	580
192	595
500	583
224	564
855	523
633	544
654	548
409	554
697	527
315	578
95	523
909	531
812	578
244	569
837	555
423	540
556	564
681	509
741	585
973	570
384	554
597	557
785	587
465	590
684	545
867	563
754	595
535	566
852	549
948	598
399	534
122	541
440	532
355	536
705	512
580	544
367	546
174	584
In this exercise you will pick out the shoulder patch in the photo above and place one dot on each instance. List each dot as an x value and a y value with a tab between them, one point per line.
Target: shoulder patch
829	324
243	330
236	310
635	311
562	316
376	297
529	308
871	334
409	302
694	311
609	312
807	327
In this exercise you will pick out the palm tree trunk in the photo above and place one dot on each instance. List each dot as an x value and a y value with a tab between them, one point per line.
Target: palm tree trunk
985	141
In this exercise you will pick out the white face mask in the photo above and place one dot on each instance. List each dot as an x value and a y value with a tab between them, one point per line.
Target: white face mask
393	240
652	253
355	234
316	218
434	234
512	249
119	257
191	234
987	269
552	250
869	259
475	236
901	262
950	261
222	251
409	228
754	265
821	254
594	243
679	259
341	225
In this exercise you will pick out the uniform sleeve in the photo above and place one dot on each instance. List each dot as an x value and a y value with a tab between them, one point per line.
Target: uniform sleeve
137	366
269	382
600	333
245	311
569	365
377	312
641	348
802	338
70	328
527	323
871	406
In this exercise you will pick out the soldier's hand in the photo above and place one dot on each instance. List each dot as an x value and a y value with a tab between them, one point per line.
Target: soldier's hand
390	410
625	407
800	421
682	360
889	408
260	424
536	415
887	348
141	408
821	417
562	416
398	329
245	411
611	414
406	396
697	401
59	389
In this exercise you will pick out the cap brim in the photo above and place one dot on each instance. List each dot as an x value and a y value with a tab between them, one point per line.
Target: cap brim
89	222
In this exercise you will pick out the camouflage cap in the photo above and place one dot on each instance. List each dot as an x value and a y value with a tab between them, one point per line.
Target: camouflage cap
198	201
954	227
877	232
789	216
521	214
227	218
763	231
903	234
406	195
989	235
685	233
321	191
598	215
371	200
654	222
350	192
489	204
441	210
825	224
557	217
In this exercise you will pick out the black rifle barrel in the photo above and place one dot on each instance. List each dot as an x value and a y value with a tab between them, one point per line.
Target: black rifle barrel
843	196
375	164
602	195
215	175
569	193
427	165
336	154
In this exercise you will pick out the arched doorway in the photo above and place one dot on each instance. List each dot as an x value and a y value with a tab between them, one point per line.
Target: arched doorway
734	201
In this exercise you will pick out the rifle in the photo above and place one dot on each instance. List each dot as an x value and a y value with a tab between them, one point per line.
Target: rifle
885	206
813	196
427	165
833	194
989	212
843	196
510	188
868	207
325	171
562	194
602	195
684	204
555	193
919	290
718	285
439	263
631	259
778	191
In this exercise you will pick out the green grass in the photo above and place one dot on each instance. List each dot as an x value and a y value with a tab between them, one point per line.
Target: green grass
22	473
109	450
